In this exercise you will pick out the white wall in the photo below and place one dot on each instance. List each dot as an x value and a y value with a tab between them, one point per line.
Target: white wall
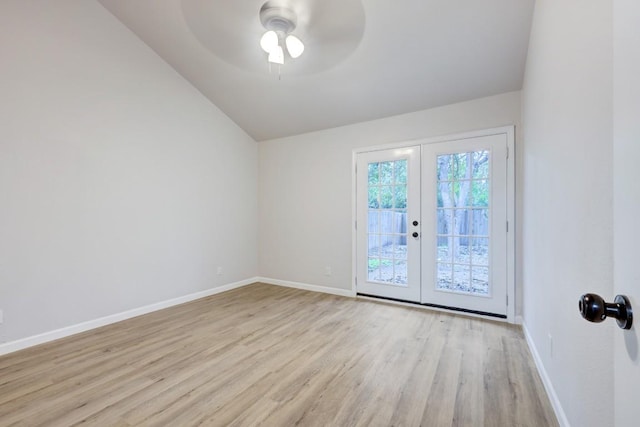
120	184
626	193
567	230
305	189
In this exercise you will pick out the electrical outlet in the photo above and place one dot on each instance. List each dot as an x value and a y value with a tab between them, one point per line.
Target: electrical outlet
327	271
550	346
219	271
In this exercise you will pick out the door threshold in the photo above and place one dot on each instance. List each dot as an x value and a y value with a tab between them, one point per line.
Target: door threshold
438	306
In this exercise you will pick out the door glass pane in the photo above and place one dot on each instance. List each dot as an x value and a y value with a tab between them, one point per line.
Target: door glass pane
386	172
481	164
463	239
386	197
461	276
445	276
401	171
374	197
374	244
374	222
480	252
445	221
480	192
480	222
400	272
400	197
444	251
387	228
460	166
445	191
386	270
462	252
461	222
400	249
374	173
374	269
480	280
460	194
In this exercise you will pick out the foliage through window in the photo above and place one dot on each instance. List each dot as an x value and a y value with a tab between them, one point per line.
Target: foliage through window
387	224
463	222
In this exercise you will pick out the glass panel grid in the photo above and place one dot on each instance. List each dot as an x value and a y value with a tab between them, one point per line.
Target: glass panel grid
463	212
387	228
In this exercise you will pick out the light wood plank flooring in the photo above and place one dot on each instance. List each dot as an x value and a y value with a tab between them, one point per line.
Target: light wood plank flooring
265	355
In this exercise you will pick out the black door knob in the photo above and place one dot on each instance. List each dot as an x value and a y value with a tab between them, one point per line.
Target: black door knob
595	309
415	223
415	234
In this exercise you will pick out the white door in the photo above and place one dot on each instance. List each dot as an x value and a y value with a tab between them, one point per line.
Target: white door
388	223
626	196
464	213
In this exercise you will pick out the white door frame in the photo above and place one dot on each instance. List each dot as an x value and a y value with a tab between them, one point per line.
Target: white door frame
509	131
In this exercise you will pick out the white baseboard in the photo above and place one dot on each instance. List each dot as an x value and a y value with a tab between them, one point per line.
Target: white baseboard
23	343
518	320
307	287
551	392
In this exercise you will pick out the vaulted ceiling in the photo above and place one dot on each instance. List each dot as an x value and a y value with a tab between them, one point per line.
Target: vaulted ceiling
364	59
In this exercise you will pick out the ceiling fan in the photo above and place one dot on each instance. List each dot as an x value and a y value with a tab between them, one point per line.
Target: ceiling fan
240	32
279	22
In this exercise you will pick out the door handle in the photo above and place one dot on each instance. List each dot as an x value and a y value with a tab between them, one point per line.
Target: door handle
595	309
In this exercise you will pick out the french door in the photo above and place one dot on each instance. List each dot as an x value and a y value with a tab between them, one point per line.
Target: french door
432	224
464	205
388	227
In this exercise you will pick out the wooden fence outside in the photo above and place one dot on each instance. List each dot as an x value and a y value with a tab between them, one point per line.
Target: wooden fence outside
388	227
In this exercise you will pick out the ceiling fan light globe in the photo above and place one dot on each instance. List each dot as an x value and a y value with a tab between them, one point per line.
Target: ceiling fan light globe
276	56
295	47
269	41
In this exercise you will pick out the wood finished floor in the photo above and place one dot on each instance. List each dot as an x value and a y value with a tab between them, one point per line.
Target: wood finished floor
265	355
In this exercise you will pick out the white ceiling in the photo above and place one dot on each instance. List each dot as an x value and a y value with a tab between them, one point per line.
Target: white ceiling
364	59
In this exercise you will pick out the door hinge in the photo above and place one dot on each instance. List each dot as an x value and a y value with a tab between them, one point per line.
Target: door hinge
507	152
507	226
507	299
355	224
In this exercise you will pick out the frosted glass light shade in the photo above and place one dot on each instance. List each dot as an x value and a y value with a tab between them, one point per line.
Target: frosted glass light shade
276	56
269	41
295	47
